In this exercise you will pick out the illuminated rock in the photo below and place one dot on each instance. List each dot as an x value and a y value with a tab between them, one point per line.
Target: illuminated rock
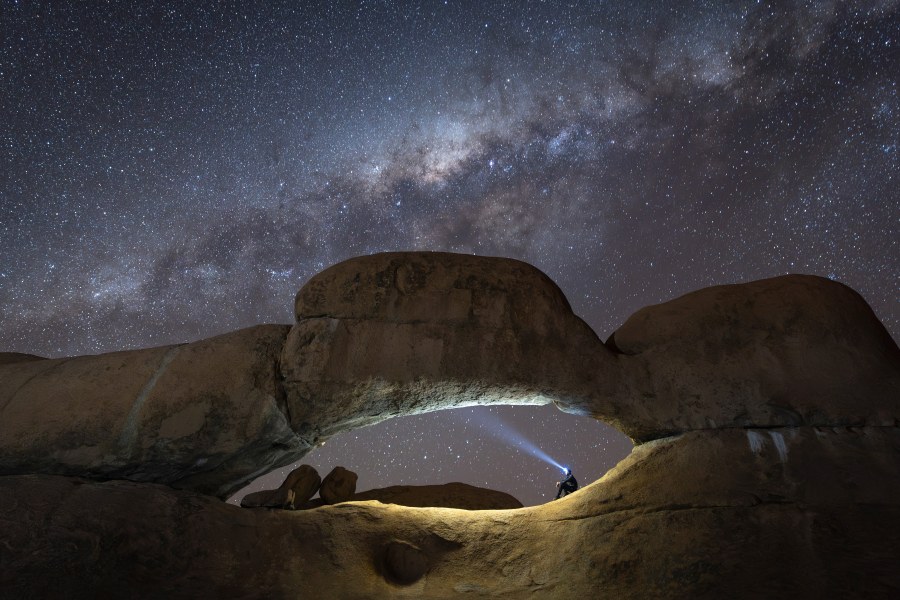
206	416
782	352
403	333
727	514
376	337
411	332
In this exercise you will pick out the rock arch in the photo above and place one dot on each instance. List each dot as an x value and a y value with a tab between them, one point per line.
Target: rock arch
765	413
399	333
375	337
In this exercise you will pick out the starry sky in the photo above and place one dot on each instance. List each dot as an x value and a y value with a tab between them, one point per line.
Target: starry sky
170	171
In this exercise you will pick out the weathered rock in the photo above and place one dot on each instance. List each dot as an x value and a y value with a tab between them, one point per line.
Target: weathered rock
708	514
377	336
207	416
788	351
403	333
298	487
338	486
448	495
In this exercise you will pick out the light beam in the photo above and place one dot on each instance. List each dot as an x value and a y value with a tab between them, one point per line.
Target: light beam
504	432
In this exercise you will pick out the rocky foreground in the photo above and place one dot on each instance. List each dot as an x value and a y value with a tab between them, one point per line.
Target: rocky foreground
765	416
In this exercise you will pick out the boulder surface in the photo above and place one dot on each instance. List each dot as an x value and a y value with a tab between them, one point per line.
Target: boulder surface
411	332
729	514
207	416
338	486
782	352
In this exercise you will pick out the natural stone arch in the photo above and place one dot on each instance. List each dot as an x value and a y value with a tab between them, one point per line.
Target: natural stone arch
767	414
375	337
398	333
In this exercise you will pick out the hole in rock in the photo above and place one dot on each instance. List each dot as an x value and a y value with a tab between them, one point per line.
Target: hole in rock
505	448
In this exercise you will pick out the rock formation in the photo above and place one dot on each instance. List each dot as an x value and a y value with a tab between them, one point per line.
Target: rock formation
784	352
765	415
338	486
447	495
375	337
404	333
207	416
297	488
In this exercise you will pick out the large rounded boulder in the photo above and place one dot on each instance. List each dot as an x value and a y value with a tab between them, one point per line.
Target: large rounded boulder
782	352
410	332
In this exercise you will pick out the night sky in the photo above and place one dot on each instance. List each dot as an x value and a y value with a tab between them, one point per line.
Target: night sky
171	171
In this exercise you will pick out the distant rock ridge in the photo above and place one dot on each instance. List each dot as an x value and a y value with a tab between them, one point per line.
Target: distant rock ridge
447	495
765	416
339	485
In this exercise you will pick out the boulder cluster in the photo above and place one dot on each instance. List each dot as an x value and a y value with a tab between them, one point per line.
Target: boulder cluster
301	484
766	418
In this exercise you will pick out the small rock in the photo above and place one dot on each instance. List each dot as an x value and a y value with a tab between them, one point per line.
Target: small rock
258	499
297	489
338	486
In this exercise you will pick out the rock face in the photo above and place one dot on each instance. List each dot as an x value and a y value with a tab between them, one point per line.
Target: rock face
338	486
205	416
766	416
447	495
726	514
297	488
404	333
790	351
377	336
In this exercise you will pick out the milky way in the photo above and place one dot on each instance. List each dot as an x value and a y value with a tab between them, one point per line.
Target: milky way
170	171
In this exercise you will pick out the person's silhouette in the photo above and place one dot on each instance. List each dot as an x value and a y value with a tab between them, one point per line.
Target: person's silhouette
567	485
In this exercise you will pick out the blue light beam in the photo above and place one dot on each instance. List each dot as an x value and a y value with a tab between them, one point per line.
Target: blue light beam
504	432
